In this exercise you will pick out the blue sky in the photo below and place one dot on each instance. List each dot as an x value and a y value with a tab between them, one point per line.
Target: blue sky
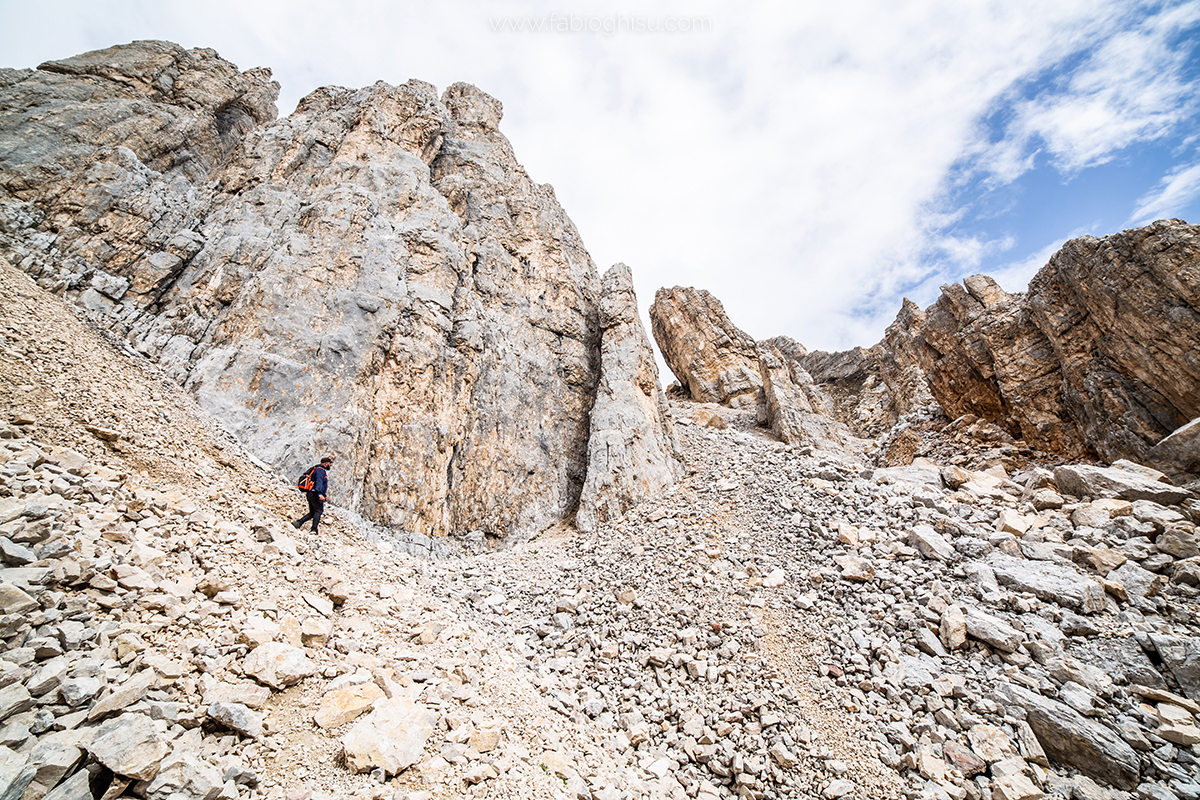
808	163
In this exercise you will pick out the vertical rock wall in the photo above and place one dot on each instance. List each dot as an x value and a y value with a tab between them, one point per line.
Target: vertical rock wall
374	276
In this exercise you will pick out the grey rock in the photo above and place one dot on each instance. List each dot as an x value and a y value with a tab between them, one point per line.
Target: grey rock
16	773
1180	542
1050	582
993	630
77	691
1140	584
1181	655
633	454
237	717
76	787
13	600
53	760
1179	452
14	699
1075	741
129	745
931	543
48	677
1075	625
16	554
1125	484
183	775
797	411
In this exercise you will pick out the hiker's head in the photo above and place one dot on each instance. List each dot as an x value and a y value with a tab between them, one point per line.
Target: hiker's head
327	462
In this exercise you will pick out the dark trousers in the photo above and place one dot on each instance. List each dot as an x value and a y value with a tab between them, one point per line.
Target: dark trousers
316	507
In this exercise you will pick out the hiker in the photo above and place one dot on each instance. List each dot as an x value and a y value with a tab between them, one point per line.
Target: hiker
315	484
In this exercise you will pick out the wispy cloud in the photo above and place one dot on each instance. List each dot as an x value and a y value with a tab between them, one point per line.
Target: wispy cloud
1130	87
1178	188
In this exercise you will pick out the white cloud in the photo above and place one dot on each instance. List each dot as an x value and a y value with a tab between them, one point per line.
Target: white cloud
790	160
1178	188
1130	88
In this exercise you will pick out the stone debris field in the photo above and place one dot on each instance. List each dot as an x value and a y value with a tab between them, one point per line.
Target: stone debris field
784	622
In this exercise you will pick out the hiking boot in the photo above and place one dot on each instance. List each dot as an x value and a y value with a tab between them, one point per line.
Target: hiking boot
296	525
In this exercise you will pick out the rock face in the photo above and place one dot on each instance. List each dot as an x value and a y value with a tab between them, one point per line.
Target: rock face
1096	359
709	355
374	276
797	411
632	451
852	380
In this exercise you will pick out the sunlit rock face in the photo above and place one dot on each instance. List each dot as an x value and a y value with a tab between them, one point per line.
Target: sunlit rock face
1098	358
373	276
712	357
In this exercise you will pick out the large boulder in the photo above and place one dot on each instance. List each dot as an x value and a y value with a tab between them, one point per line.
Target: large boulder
391	738
1179	453
709	355
1123	483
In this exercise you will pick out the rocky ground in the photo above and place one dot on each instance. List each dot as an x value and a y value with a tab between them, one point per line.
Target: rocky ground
783	623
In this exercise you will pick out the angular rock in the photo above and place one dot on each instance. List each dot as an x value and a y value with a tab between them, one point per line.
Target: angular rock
931	543
128	693
76	787
1076	741
993	630
15	601
345	705
715	360
16	773
184	775
278	665
1179	451
14	699
391	738
797	411
1084	480
1181	655
129	745
633	454
1049	582
236	717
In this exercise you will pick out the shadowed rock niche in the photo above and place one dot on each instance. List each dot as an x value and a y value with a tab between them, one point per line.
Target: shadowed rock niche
373	276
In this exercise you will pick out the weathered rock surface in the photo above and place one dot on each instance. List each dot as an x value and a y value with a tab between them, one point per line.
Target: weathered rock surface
853	382
1069	366
391	738
1179	452
1072	739
709	355
374	276
1122	483
797	411
633	454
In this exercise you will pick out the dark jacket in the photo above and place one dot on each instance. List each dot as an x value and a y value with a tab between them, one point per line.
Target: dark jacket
320	480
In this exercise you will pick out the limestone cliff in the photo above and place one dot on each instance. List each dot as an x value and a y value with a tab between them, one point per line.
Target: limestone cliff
1098	359
374	275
